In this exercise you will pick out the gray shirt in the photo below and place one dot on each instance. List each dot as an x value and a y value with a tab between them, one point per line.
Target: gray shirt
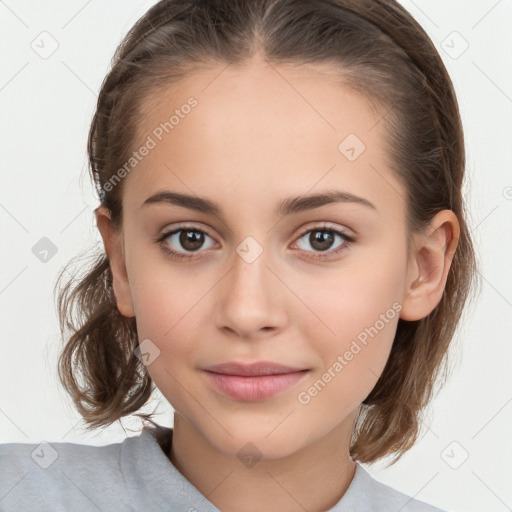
136	475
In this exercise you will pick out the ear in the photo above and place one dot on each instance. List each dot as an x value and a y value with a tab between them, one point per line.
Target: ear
429	262
113	242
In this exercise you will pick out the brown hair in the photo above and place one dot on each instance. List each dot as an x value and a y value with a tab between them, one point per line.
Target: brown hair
380	51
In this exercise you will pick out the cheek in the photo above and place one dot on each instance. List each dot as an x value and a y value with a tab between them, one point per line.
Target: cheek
173	307
359	311
169	317
352	299
352	359
167	297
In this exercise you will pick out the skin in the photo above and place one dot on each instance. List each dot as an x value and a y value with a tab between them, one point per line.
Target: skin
258	135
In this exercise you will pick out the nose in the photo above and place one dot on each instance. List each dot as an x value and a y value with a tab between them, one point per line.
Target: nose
250	303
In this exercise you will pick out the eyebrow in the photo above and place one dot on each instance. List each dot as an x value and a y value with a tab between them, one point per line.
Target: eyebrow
289	206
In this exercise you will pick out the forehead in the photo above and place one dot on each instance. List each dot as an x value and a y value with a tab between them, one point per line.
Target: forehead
261	130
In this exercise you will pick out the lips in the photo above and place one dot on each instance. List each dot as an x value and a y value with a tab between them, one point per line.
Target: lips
253	370
253	382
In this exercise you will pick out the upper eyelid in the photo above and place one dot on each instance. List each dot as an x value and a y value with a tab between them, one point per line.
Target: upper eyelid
185	227
318	225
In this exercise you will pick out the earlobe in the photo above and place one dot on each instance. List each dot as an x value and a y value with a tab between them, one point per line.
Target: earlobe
113	247
429	264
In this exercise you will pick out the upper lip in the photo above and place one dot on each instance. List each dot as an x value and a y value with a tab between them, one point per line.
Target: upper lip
254	369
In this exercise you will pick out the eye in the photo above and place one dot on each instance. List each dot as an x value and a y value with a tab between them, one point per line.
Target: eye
188	239
323	238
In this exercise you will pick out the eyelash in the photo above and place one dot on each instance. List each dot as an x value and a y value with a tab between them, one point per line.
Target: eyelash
348	240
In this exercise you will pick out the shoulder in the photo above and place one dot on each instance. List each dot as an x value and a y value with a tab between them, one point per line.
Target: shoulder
47	475
375	495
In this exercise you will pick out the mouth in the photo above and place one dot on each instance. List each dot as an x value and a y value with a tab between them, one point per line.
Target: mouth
253	382
258	369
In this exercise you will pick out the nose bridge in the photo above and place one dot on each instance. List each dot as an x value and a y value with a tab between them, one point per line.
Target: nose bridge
249	279
249	299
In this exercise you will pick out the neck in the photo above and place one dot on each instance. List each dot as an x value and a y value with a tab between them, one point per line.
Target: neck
314	478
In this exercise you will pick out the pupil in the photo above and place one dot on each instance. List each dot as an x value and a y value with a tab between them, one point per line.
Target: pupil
191	240
321	240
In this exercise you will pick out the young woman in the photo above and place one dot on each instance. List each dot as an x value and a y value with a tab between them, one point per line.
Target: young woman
286	259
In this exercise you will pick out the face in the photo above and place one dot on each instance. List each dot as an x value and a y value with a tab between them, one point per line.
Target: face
317	287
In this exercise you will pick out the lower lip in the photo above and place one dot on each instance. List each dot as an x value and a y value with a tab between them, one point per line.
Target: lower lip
254	389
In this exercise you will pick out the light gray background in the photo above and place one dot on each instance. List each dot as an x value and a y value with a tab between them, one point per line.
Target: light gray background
46	108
